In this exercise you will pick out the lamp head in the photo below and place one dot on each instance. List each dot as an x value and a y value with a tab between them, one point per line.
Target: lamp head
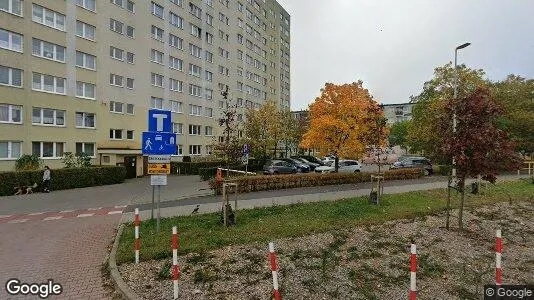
463	46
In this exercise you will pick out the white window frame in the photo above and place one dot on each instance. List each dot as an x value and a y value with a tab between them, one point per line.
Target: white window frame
196	147
119	3
173	59
128	133
85	27
10	7
9	46
83	144
195	90
132	55
84	60
54	150
128	28
113	105
55	48
195	129
114	26
114	135
83	4
175	85
156	103
84	115
55	117
175	20
132	4
44	11
10	114
10	77
157	79
195	51
85	86
114	51
132	80
195	70
209	94
208	112
41	88
208	131
113	78
154	9
10	155
209	76
176	41
176	106
128	106
154	54
155	32
178	128
195	110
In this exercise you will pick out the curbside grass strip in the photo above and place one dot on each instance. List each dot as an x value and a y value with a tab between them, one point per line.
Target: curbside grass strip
116	277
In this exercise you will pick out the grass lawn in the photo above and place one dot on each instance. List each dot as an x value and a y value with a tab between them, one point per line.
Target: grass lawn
200	233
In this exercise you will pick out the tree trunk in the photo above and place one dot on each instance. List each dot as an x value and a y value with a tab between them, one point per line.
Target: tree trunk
336	163
447	222
462	200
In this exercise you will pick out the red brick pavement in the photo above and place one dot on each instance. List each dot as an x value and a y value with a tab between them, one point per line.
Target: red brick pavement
56	215
69	251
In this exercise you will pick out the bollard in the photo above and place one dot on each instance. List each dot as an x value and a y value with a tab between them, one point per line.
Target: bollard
274	268
137	243
175	268
413	268
498	253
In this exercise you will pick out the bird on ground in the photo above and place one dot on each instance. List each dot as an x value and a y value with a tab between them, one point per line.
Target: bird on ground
196	209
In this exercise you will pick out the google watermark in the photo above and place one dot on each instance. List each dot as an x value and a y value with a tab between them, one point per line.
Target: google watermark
509	292
43	290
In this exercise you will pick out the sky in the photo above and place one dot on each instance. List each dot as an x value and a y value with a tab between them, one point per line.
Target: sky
393	46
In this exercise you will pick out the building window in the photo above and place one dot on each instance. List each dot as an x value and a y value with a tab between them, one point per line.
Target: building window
196	31
10	40
157	56
176	20
175	63
129	134
85	120
116	53
157	80
157	10
11	6
177	2
84	60
178	128
116	26
130	32
195	10
195	110
87	4
195	51
195	149
10	76
115	80
130	57
118	2
130	6
157	33
48	50
195	70
195	130
10	149
175	42
85	30
116	107
195	90
85	148
209	94
208	112
48	17
46	116
130	83
85	90
209	19
115	134
48	83
209	131
129	108
175	85
10	114
48	149
209	76
208	149
176	107
209	38
209	56
179	150
156	103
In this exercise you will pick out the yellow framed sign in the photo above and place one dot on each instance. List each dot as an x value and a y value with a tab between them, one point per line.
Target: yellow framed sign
156	169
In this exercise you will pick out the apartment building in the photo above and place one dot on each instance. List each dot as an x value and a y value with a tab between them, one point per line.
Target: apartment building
399	112
79	75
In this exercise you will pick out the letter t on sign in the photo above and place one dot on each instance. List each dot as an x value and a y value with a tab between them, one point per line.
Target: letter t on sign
159	118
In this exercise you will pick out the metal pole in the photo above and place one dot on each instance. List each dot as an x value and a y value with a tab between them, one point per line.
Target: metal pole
152	210
159	198
454	108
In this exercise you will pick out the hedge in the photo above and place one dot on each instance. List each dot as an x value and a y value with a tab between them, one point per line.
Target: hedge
62	179
193	168
248	184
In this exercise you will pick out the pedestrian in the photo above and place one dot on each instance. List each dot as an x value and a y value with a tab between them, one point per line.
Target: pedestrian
46	179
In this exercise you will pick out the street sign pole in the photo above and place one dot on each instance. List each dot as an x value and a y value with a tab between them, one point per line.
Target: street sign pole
159	215
152	211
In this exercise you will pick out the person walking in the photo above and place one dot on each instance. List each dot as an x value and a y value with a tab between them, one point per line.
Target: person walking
46	179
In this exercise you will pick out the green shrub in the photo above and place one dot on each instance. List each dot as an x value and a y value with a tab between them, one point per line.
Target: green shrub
28	162
248	184
192	168
444	170
62	179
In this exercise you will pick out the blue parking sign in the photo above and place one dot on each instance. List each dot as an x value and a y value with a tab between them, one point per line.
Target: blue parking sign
159	120
155	143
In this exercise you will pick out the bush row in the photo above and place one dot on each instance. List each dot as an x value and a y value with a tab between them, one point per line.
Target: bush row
248	184
208	169
62	179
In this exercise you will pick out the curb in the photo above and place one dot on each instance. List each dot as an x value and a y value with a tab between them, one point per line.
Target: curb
116	277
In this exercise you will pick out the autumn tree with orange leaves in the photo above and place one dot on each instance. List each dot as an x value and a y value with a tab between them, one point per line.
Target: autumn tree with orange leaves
343	122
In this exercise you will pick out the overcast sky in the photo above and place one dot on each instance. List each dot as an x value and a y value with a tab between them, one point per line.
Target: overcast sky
394	45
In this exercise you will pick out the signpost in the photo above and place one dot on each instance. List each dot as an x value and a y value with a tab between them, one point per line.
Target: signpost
246	151
159	143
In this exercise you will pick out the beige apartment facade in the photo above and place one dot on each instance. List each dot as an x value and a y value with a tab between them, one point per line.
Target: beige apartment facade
80	75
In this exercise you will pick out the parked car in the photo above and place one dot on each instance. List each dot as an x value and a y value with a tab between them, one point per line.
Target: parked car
301	167
408	162
328	159
310	158
345	166
277	166
312	165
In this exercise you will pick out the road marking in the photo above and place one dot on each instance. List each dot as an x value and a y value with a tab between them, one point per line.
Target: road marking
120	206
52	218
114	212
5	216
98	208
18	221
66	211
84	215
36	214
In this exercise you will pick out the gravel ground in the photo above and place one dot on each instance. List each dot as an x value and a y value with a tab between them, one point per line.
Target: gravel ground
368	262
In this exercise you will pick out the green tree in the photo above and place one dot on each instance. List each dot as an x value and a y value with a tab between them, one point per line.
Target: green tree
398	134
28	162
263	129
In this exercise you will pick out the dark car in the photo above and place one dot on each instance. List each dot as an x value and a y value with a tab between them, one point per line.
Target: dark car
276	166
301	167
310	158
413	162
312	165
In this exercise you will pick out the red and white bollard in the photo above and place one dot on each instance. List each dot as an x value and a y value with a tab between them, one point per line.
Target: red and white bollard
274	268
136	244
413	268
498	253
175	268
